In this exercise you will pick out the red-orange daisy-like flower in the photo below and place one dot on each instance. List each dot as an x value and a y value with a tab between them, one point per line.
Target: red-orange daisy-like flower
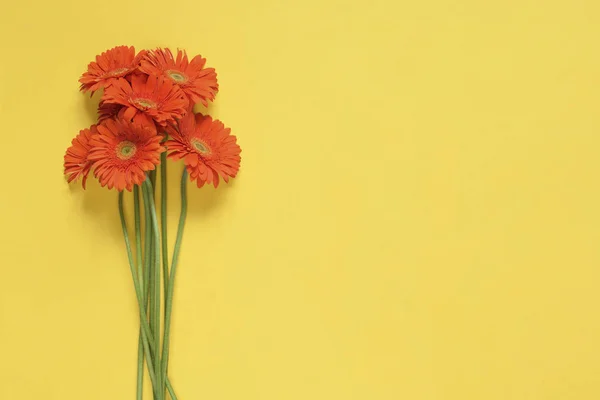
77	162
208	149
109	66
154	96
122	152
198	83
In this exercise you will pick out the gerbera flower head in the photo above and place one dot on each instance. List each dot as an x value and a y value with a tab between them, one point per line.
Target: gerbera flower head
155	96
77	162
123	151
198	83
115	63
207	148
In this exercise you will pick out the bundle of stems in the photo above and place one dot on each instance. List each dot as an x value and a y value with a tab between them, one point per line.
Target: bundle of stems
148	277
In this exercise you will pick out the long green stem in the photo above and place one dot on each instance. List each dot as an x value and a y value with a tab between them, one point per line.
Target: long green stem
171	280
136	285
140	367
163	219
138	254
147	259
156	300
165	245
152	175
154	284
154	317
171	391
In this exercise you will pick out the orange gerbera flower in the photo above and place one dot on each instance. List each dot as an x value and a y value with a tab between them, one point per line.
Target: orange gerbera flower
109	66
77	163
198	83
207	148
123	151
155	96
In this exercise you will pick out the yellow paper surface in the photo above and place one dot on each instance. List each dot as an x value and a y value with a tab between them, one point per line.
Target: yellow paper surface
417	214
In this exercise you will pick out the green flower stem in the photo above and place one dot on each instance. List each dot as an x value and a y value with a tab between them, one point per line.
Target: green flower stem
156	300
150	280
151	262
147	261
152	175
171	280
154	285
136	284
170	389
153	318
138	254
140	368
163	220
165	244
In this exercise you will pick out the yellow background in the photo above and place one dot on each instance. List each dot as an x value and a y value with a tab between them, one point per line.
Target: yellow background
417	214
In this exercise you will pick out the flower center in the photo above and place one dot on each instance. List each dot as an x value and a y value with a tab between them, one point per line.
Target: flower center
200	146
118	71
144	104
126	150
177	76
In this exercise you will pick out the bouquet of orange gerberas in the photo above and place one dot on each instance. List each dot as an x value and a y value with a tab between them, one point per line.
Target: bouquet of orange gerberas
144	116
